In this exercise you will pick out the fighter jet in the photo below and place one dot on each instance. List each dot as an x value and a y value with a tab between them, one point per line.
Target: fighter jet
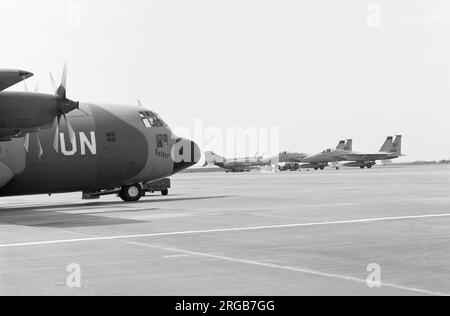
51	144
236	164
323	159
290	157
390	150
288	161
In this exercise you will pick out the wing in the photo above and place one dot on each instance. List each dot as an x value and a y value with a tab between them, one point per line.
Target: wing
363	157
8	78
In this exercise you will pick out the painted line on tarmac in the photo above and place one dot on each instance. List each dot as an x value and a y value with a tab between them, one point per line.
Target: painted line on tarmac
183	255
292	269
221	230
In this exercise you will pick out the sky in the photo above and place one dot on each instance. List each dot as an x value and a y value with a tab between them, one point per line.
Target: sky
318	70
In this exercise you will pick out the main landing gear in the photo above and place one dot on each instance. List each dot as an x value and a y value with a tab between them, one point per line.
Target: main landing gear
131	193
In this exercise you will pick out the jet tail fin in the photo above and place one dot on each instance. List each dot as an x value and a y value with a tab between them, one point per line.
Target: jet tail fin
341	145
349	145
211	158
387	146
397	146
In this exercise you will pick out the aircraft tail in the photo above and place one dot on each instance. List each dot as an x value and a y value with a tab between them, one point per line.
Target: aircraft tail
211	158
349	145
387	146
341	145
397	146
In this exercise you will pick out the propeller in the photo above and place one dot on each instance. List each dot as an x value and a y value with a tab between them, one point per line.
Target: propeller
63	107
27	142
36	89
27	135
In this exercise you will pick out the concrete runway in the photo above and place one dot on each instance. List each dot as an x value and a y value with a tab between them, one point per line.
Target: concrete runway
306	233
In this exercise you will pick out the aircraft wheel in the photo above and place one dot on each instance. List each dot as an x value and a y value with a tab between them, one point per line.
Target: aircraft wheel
322	168
362	167
316	168
131	193
165	192
369	167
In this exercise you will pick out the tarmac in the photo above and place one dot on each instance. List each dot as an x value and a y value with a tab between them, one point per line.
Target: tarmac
295	233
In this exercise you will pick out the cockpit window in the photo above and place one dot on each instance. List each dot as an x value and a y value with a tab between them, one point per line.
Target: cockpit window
327	151
151	119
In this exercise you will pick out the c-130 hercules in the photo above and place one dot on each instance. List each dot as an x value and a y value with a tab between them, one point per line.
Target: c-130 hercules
51	144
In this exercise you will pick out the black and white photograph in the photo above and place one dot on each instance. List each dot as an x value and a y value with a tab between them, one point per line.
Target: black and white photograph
224	154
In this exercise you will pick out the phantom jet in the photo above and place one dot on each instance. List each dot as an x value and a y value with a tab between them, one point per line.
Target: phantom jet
323	159
236	164
51	144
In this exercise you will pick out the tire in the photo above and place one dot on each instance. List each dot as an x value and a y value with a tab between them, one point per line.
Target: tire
165	192
131	193
369	167
362	167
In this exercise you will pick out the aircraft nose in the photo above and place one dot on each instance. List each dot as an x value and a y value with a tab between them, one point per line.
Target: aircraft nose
185	154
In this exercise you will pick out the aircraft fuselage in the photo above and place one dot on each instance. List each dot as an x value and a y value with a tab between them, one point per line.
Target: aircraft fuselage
113	146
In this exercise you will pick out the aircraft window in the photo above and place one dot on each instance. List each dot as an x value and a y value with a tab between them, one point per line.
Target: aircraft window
147	123
161	120
151	119
110	137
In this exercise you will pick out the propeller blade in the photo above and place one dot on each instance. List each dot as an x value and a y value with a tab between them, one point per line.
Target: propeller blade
64	76
56	137
70	130
61	92
139	103
26	86
53	83
36	89
27	142
40	150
